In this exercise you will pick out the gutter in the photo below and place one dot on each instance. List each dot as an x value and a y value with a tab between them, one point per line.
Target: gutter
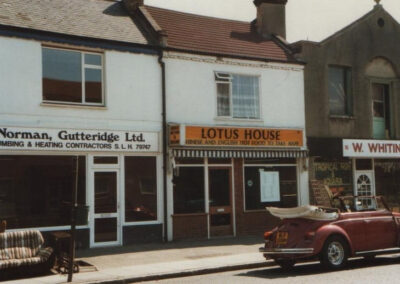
293	61
164	142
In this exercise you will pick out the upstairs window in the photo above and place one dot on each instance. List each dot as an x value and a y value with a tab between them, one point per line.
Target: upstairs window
340	91
237	96
72	77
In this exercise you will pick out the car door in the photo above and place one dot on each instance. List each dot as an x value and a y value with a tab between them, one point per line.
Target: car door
380	230
353	224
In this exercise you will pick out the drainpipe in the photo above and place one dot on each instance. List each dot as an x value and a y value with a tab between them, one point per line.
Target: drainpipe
164	141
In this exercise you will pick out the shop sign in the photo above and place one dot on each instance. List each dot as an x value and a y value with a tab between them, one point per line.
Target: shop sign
174	135
371	148
241	137
14	138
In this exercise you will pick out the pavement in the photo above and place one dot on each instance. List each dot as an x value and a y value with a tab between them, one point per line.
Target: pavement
145	262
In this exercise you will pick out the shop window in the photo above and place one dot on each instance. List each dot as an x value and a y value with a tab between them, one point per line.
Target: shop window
237	96
270	186
189	190
219	161
105	160
72	77
36	191
140	189
340	91
363	164
270	161
387	180
188	161
338	175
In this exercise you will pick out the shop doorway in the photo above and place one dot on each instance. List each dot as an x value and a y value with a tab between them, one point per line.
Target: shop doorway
105	209
220	201
364	186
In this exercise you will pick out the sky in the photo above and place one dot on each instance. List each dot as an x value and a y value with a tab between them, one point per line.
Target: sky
311	20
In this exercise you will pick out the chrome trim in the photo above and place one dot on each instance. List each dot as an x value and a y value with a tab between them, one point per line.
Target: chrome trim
286	250
379	251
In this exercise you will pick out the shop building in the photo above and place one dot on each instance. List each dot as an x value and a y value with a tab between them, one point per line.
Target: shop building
80	104
352	107
235	110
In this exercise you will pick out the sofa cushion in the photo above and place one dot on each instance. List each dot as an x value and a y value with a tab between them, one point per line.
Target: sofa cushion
9	263
20	245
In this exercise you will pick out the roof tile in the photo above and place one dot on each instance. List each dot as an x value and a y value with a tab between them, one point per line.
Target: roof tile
88	18
213	35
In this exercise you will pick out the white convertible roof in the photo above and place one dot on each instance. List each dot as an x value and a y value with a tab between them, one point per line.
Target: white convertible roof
307	212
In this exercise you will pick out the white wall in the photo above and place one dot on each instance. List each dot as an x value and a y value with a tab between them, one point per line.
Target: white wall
191	92
132	92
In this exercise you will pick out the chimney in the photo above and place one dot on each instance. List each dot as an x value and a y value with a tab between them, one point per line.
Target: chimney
132	5
271	17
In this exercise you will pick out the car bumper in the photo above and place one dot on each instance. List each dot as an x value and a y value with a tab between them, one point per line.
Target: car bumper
272	251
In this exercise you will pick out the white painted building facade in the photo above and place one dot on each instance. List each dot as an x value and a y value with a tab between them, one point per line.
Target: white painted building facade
192	102
129	107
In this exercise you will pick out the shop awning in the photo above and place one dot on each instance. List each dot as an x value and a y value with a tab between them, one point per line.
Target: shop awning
205	153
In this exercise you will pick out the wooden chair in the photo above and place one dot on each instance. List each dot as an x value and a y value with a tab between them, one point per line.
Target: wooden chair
3	226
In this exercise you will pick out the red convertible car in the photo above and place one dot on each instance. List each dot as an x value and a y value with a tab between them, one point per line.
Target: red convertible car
360	226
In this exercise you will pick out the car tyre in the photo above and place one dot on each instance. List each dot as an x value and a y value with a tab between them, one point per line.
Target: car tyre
335	252
285	264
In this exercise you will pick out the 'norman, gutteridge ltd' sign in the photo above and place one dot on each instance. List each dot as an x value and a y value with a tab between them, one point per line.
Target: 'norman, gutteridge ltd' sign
13	138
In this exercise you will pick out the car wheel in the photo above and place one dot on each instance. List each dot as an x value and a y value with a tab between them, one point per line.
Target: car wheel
335	252
285	264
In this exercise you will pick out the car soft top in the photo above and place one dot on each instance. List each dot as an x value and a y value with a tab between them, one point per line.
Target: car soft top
307	212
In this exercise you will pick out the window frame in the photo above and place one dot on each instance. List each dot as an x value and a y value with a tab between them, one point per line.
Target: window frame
228	79
264	165
84	67
349	100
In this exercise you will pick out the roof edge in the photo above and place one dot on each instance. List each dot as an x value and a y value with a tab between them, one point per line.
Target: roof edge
236	56
48	36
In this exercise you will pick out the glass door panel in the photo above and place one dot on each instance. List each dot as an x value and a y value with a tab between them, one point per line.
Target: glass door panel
105	192
106	208
105	230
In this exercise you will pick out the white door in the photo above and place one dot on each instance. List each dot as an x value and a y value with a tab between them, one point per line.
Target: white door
364	185
105	208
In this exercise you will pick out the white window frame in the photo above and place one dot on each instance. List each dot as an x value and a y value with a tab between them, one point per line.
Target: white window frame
221	77
83	68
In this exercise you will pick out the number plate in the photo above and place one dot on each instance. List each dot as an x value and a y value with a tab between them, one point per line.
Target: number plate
281	238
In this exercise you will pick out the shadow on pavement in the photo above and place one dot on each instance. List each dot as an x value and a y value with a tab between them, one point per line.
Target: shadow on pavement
315	268
226	241
18	275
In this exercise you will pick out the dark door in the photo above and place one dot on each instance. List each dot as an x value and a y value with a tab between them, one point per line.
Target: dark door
220	200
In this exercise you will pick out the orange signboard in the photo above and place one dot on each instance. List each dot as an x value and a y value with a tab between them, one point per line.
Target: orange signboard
243	137
174	135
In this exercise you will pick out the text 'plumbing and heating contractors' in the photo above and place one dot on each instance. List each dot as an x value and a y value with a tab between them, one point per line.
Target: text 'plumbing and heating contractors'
13	138
243	137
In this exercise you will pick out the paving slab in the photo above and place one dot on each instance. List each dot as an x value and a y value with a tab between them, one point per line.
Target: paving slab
162	260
